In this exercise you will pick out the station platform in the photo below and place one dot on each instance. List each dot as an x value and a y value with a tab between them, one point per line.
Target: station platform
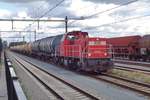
3	84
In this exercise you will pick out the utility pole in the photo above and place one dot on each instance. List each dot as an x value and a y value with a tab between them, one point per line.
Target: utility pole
20	36
66	24
12	23
23	38
30	37
35	35
38	25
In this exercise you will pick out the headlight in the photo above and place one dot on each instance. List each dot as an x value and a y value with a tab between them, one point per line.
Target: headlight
89	54
105	54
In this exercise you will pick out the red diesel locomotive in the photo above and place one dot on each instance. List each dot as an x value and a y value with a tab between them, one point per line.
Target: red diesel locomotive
75	49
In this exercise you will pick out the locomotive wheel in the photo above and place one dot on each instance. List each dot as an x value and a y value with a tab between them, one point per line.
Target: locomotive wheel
79	67
74	65
61	61
98	71
69	63
82	66
85	65
55	60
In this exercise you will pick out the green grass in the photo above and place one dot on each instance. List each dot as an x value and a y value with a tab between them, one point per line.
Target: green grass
132	75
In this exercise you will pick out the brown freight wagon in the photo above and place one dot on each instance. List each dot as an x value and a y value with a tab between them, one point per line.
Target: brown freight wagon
125	47
145	47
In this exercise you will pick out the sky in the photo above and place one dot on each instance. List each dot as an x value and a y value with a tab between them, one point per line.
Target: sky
107	24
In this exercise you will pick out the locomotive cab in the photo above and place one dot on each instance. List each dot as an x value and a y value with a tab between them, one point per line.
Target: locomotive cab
97	54
76	36
97	48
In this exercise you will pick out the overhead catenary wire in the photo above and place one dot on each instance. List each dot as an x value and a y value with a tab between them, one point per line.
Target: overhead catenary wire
49	10
95	14
101	12
36	10
115	22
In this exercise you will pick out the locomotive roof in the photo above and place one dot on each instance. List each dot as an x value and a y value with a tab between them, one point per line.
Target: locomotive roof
77	32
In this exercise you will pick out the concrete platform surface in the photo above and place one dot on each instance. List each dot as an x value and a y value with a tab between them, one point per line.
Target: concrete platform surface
3	86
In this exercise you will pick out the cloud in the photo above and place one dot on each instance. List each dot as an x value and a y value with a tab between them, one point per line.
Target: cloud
138	8
36	8
39	8
20	1
4	13
22	14
77	9
117	2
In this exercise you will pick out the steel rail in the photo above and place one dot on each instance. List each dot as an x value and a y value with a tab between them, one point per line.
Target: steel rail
119	81
45	85
125	83
144	64
138	69
132	70
91	96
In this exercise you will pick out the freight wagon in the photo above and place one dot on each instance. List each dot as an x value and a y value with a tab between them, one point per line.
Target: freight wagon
75	50
130	47
144	44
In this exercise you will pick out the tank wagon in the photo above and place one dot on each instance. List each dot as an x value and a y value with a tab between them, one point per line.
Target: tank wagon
130	47
75	50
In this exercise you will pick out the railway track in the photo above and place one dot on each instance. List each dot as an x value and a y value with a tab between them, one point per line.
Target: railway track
145	64
58	86
126	83
119	81
133	70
